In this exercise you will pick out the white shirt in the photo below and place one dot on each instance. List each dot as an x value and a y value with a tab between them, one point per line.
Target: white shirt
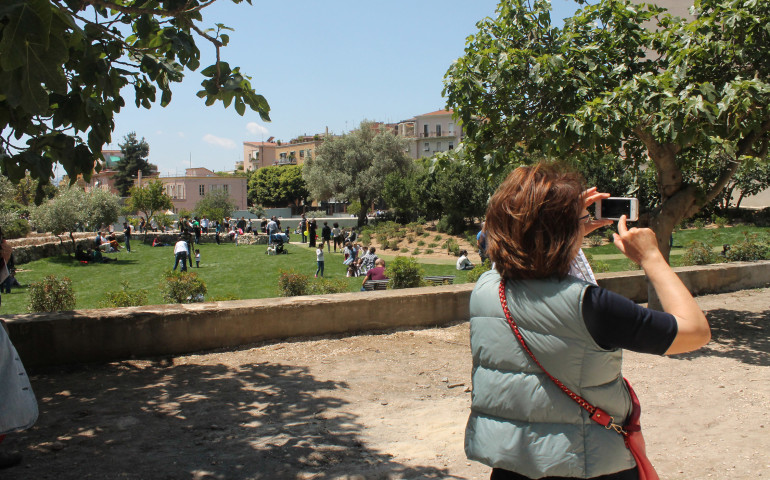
462	262
181	246
319	254
272	227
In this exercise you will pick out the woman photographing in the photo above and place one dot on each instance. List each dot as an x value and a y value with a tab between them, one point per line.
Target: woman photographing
523	424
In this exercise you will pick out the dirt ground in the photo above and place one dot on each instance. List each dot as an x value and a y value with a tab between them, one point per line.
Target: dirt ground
378	406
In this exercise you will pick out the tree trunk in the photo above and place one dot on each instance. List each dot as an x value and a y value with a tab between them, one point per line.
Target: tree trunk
362	213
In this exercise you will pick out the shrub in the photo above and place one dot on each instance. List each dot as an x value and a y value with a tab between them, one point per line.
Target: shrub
292	284
419	230
183	287
438	238
748	250
384	244
699	223
471	238
16	228
324	286
452	247
125	297
420	243
474	274
432	245
51	294
404	250
451	224
416	251
425	234
699	253
595	240
429	251
405	272
410	238
720	222
366	238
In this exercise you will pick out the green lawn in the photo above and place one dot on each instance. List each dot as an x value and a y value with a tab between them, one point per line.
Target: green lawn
244	272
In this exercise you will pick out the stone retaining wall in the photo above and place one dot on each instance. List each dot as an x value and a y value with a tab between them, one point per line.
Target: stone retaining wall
29	249
114	334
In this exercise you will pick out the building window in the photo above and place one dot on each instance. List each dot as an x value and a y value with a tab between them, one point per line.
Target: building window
301	154
438	130
425	129
451	128
438	146
282	156
451	146
427	147
180	191
226	188
202	190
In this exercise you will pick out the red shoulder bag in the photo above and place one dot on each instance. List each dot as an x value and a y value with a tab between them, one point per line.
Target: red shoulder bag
631	431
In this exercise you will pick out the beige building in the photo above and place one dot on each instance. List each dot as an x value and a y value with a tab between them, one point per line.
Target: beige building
430	133
187	191
266	154
258	154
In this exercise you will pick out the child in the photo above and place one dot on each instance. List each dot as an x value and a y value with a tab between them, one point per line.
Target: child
197	258
319	255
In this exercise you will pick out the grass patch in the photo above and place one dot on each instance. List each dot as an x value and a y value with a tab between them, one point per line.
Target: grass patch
243	272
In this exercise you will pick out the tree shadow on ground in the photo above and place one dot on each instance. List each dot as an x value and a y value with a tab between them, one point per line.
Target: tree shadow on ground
160	420
741	335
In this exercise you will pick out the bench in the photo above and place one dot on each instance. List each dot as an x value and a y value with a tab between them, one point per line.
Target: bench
372	285
440	280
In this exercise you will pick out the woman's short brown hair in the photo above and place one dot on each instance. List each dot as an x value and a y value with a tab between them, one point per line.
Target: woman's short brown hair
533	222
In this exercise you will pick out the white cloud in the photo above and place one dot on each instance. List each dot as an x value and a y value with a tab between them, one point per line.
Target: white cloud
219	141
256	129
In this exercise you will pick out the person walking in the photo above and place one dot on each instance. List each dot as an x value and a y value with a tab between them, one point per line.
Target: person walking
319	256
337	236
303	227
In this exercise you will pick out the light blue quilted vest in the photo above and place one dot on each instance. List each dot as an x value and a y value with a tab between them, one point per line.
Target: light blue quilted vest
520	420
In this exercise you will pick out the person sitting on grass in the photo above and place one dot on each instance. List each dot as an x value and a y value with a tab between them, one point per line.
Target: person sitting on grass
96	256
157	243
463	263
376	273
368	260
81	255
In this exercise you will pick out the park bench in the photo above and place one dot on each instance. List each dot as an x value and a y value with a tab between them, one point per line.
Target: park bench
440	280
372	285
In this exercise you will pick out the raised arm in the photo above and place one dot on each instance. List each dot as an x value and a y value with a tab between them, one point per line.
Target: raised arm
640	245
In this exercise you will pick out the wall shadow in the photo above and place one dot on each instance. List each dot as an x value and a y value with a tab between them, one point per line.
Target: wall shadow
160	420
741	335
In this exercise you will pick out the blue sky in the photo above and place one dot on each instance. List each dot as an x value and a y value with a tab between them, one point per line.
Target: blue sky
319	64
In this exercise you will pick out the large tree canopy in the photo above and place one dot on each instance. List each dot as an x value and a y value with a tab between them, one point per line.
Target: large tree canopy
277	186
656	91
353	167
64	63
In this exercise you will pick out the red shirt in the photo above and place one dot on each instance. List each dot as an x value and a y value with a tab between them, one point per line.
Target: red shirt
376	273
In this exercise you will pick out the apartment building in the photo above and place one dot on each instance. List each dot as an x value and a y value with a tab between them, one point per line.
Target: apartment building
266	154
258	154
186	191
430	133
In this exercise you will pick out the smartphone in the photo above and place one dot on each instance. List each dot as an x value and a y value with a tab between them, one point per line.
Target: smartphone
614	207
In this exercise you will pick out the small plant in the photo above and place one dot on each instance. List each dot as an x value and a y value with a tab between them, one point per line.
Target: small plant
438	238
292	284
426	234
420	243
183	287
473	275
125	297
419	230
51	294
404	250
324	286
429	251
366	238
452	247
405	272
410	238
720	222
416	251
432	245
384	244
699	223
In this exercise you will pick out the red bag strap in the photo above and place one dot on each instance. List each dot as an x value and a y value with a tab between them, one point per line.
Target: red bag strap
597	414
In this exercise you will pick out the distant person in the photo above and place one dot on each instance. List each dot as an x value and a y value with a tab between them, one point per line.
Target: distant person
197	258
368	260
127	235
180	254
311	230
481	242
303	228
339	239
319	255
326	236
463	263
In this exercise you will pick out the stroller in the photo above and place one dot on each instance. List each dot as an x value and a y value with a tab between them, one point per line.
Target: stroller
278	240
